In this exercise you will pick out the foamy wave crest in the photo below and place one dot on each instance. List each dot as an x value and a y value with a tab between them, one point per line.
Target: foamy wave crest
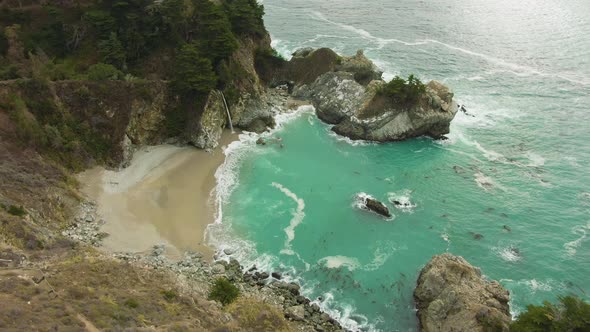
347	140
334	262
298	215
572	247
401	201
281	47
515	68
345	314
380	256
509	254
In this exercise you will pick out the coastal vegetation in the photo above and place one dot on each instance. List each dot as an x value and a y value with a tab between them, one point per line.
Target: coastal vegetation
402	91
189	43
570	314
224	291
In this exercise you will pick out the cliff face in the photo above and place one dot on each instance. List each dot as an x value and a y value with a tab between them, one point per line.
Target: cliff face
452	295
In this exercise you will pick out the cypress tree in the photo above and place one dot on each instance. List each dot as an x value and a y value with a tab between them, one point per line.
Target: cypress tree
194	75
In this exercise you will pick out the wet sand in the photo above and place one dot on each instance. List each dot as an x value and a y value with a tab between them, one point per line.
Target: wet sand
163	197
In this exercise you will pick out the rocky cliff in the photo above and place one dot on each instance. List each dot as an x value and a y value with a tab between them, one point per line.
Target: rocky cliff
452	295
345	92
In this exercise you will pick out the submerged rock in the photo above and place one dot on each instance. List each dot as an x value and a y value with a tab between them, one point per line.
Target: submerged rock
377	207
452	295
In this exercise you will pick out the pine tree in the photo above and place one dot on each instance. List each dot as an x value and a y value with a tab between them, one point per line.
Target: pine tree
214	31
112	51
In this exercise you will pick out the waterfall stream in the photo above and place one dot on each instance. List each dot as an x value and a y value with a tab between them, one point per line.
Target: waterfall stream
231	126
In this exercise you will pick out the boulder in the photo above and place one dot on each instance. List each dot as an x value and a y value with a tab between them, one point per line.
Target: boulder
295	313
377	207
452	295
363	69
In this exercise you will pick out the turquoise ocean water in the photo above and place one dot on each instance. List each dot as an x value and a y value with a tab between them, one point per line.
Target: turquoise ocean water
517	172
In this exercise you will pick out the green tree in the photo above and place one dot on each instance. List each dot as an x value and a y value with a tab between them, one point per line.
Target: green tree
214	31
101	21
194	73
112	52
402	91
246	16
571	314
103	72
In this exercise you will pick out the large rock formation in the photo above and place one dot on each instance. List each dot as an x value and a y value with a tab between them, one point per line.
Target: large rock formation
345	92
452	295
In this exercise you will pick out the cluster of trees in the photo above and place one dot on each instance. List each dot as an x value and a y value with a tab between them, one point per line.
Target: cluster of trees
404	92
123	33
571	314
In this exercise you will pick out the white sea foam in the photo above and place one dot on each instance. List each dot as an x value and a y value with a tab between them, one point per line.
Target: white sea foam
572	246
509	254
334	262
401	200
298	215
380	256
344	313
535	159
347	140
486	182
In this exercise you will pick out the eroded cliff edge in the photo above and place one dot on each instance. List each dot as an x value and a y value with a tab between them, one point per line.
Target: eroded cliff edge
452	295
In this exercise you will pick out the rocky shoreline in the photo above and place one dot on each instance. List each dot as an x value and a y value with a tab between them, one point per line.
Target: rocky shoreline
193	268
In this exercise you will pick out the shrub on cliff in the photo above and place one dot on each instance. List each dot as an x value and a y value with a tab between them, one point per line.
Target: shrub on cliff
224	291
571	314
406	92
103	72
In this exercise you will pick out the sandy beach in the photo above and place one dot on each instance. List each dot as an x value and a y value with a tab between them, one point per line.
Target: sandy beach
163	197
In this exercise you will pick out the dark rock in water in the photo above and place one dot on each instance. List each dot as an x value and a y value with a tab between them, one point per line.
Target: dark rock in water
276	275
452	295
377	207
260	141
476	236
253	268
507	228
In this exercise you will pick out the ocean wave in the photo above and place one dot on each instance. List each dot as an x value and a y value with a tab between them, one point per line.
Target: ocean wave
509	254
572	246
345	313
334	262
484	182
347	140
401	200
298	214
513	67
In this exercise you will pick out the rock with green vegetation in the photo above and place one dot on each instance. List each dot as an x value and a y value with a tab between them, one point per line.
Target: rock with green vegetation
349	93
570	314
452	295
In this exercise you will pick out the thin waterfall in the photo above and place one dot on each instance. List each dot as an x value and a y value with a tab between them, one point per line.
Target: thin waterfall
231	126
